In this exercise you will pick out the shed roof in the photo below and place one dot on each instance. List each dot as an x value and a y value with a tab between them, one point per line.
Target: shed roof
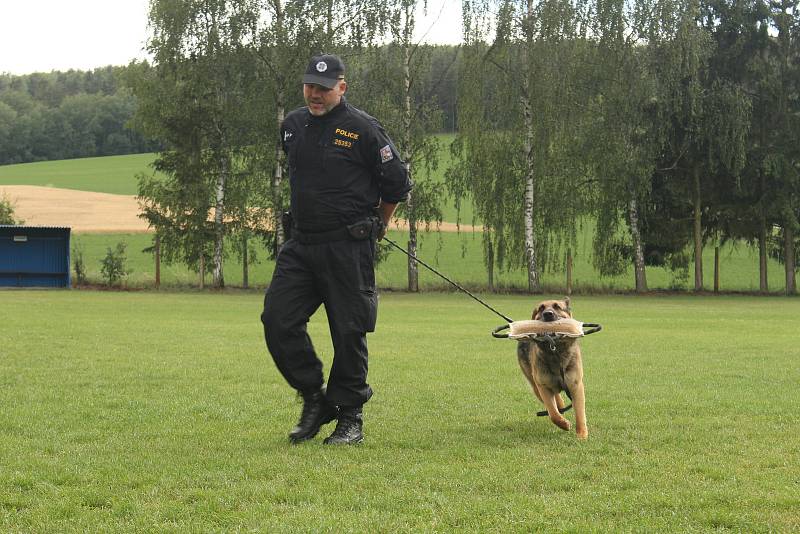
22	226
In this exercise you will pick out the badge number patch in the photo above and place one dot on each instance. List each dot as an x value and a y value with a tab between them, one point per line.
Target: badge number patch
386	154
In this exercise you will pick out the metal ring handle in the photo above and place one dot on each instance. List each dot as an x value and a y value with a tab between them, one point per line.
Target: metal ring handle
593	327
500	328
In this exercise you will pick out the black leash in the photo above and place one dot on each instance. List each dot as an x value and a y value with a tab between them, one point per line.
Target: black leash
404	251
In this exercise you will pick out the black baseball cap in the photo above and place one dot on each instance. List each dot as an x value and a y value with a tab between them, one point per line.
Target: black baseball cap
325	70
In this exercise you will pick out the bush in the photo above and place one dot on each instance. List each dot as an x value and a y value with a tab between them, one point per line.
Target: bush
7	212
113	265
78	264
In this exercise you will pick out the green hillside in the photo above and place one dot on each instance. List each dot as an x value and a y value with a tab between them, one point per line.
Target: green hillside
110	174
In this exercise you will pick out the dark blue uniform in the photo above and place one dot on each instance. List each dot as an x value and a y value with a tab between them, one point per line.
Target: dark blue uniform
341	165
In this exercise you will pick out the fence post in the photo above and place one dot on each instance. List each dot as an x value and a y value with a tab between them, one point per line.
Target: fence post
158	261
490	263
569	271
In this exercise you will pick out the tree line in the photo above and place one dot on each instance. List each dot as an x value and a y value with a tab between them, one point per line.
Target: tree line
667	125
61	115
671	125
224	75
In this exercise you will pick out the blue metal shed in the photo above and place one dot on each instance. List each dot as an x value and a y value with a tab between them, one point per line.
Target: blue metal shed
34	256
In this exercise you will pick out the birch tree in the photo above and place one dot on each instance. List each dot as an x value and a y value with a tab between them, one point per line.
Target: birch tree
623	138
194	101
416	121
534	50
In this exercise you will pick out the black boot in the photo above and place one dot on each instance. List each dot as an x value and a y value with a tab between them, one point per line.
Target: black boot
348	429
316	412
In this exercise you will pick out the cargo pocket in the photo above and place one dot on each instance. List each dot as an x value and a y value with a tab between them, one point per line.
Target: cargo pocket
367	291
369	303
366	264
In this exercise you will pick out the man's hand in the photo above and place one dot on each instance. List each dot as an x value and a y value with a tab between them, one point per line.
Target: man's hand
382	231
385	211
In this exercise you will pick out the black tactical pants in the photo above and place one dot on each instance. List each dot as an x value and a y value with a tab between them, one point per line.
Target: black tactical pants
340	275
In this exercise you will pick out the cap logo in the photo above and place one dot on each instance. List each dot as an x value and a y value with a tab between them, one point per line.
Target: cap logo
322	66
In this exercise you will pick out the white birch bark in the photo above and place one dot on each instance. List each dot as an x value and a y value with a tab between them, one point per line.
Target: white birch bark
529	200
640	274
277	176
408	154
219	225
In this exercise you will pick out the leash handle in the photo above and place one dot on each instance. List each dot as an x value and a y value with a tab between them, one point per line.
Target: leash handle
593	327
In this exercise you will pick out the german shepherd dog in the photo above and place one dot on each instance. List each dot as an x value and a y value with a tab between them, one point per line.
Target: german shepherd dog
551	368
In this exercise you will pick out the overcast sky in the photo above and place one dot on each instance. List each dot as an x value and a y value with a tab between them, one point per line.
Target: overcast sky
45	35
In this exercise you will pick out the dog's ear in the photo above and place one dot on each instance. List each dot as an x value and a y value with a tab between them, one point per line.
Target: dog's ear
569	307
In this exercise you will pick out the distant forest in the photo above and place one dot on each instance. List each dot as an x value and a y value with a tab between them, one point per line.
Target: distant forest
62	115
78	114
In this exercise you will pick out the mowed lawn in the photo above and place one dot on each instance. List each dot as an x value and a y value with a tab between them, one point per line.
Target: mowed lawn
162	412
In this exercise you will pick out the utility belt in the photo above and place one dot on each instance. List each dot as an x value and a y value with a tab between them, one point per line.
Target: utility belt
367	228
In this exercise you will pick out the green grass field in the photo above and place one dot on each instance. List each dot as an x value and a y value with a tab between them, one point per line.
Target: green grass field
154	412
459	257
110	174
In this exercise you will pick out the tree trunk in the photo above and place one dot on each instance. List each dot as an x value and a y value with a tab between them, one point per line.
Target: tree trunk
789	259
716	269
245	262
698	235
413	270
408	154
202	271
219	222
763	283
530	189
277	177
640	273
158	261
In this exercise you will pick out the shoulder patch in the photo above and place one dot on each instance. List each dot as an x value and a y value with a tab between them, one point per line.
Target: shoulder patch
386	154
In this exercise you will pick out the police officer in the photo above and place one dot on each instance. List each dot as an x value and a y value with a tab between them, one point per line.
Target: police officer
346	178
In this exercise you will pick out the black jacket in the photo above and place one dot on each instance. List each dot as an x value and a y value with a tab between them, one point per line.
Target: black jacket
341	165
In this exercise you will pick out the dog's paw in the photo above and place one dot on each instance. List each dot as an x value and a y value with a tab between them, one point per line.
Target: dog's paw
562	423
582	433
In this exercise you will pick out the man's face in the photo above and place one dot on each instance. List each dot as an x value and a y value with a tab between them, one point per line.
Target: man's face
321	100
